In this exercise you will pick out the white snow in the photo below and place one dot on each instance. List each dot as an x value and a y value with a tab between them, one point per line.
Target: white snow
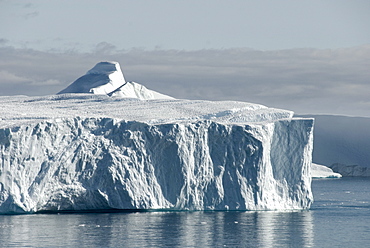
322	171
92	151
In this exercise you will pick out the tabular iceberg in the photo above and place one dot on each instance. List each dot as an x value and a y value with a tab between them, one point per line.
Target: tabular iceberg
91	152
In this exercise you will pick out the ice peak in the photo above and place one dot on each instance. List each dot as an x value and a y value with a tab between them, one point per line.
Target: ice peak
105	67
106	78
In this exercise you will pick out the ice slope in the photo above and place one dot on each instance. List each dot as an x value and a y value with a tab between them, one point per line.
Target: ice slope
90	152
106	78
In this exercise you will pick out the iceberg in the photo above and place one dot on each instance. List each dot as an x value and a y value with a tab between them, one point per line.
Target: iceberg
322	171
106	78
351	170
89	151
345	146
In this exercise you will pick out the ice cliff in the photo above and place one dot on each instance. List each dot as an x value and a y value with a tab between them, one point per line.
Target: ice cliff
90	152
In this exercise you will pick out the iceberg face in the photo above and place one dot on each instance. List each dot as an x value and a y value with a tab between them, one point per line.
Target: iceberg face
85	152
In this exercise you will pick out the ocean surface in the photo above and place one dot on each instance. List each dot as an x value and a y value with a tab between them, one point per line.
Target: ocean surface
339	217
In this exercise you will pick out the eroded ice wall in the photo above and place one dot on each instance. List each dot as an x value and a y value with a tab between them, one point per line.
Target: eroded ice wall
81	163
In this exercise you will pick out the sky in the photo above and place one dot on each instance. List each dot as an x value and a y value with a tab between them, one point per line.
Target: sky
306	56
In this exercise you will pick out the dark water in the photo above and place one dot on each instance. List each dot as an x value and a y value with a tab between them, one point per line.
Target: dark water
340	217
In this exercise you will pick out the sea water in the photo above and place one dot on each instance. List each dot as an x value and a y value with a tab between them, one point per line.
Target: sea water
339	217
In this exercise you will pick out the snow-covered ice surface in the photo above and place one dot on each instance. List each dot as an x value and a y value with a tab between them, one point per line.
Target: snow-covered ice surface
92	151
322	171
18	110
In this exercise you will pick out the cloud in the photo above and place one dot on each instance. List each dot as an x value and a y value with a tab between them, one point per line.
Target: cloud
11	83
10	78
105	48
3	41
30	15
28	5
303	80
47	83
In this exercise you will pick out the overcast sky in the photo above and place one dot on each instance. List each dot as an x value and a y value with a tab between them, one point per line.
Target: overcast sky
307	56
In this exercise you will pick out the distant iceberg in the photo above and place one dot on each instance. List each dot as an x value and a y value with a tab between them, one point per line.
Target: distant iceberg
91	151
351	170
345	146
322	171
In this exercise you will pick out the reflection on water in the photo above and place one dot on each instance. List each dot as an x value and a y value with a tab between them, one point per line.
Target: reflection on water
339	217
159	229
